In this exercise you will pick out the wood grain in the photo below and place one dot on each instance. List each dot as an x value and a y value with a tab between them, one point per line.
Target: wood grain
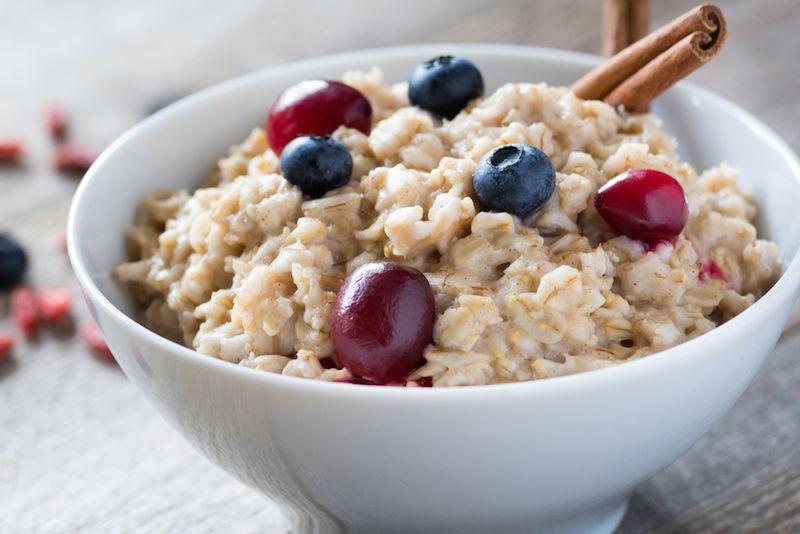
80	449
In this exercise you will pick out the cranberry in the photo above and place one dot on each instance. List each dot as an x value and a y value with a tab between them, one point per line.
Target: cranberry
644	204
316	107
382	321
90	333
6	346
425	382
54	303
56	122
73	159
25	310
11	151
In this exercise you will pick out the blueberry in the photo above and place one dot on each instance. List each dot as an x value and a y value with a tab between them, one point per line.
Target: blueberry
316	164
13	261
445	85
517	179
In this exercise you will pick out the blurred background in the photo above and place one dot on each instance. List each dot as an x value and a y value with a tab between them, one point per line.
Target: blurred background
81	451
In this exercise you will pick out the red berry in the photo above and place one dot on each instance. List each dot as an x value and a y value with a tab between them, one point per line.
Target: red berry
24	310
644	204
91	334
54	303
56	122
382	321
11	151
73	159
425	382
316	107
6	346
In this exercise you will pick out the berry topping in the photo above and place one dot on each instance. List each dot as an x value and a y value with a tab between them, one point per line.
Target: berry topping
445	85
517	179
383	321
644	204
25	311
316	107
13	261
316	164
425	382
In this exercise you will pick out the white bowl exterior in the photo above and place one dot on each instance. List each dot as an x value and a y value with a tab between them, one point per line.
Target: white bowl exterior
508	456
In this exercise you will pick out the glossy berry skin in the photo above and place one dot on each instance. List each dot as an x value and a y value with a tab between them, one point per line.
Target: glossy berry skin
13	261
644	204
517	179
382	321
316	107
445	85
316	164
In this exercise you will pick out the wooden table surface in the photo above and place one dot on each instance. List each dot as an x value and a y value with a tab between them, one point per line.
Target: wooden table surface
81	450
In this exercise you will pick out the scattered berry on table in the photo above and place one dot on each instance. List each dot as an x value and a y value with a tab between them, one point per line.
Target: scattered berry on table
382	321
517	179
6	347
90	333
56	120
316	164
54	303
13	261
25	311
445	85
316	107
644	204
72	159
11	151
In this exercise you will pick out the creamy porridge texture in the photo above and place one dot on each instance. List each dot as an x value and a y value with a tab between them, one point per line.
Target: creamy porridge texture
247	269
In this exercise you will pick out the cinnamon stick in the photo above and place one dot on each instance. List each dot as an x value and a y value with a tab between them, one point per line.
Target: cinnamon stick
642	71
624	23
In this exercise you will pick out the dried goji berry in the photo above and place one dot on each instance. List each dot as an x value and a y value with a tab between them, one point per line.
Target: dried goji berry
24	310
6	346
11	151
91	334
54	303
73	159
56	122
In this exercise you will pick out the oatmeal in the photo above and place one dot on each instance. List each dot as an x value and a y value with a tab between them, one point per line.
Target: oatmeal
247	269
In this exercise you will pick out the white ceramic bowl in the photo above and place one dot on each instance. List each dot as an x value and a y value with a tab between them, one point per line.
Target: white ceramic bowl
557	455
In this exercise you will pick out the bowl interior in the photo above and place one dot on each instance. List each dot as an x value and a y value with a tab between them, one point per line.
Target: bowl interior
175	148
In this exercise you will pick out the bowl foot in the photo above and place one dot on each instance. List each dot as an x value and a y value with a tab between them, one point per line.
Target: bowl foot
600	519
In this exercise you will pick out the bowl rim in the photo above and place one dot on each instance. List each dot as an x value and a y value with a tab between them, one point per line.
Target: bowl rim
786	287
